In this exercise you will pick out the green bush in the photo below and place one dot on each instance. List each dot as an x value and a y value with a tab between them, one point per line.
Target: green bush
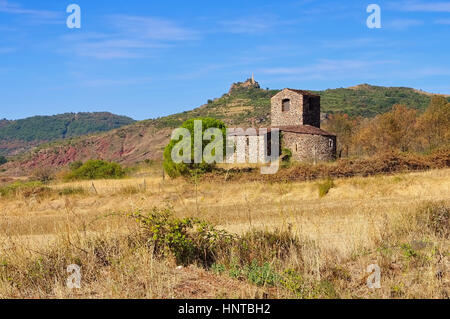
325	187
27	189
286	157
96	169
260	275
192	169
3	160
189	240
75	165
72	191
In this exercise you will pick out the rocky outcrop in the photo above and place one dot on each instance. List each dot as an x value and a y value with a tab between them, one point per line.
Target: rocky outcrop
249	84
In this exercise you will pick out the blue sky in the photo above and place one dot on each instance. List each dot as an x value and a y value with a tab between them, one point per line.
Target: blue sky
147	59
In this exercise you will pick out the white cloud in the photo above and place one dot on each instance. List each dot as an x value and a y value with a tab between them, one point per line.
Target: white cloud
418	6
432	71
348	43
151	28
253	25
101	82
131	37
402	24
326	69
37	16
325	65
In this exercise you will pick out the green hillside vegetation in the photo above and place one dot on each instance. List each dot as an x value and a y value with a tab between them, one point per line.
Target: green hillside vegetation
95	169
367	100
48	128
243	106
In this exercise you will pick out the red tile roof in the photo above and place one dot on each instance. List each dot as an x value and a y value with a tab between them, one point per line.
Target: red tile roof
300	129
302	92
305	129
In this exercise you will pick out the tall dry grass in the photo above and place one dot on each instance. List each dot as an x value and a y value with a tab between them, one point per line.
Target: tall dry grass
386	220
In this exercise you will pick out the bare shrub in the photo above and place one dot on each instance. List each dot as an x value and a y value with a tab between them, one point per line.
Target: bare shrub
44	174
436	217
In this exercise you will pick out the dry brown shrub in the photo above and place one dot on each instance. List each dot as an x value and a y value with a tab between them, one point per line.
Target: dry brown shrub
388	162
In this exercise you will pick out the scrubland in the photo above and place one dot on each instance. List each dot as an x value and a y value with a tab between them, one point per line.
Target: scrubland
264	239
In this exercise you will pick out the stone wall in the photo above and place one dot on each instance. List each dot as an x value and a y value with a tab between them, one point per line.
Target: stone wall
304	110
311	111
310	148
292	117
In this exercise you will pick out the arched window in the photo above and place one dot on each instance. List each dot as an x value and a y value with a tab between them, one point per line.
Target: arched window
286	105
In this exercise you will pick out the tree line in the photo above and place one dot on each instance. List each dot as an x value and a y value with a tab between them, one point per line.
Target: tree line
400	129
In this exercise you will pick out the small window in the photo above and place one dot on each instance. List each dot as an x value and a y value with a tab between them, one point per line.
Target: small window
330	141
286	105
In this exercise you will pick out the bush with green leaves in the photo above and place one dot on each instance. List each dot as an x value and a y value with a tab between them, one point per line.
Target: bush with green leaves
3	160
75	165
96	169
189	240
25	189
192	169
325	187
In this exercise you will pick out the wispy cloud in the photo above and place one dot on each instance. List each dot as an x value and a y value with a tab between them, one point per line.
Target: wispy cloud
151	28
432	71
101	82
348	43
254	24
443	21
402	24
131	37
326	69
418	6
36	16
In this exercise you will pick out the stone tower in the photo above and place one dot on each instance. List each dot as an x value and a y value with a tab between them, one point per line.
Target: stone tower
295	107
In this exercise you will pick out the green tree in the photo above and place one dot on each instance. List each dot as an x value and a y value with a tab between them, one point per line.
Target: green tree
96	169
189	169
3	160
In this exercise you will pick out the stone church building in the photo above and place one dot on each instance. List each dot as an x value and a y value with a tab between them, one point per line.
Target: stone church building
296	114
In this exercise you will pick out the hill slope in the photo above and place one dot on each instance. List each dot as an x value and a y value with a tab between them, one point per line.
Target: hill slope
241	107
21	135
244	106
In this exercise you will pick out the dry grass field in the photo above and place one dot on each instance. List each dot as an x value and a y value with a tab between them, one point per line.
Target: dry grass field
323	245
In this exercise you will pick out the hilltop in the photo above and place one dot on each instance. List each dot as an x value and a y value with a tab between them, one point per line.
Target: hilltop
244	105
21	135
